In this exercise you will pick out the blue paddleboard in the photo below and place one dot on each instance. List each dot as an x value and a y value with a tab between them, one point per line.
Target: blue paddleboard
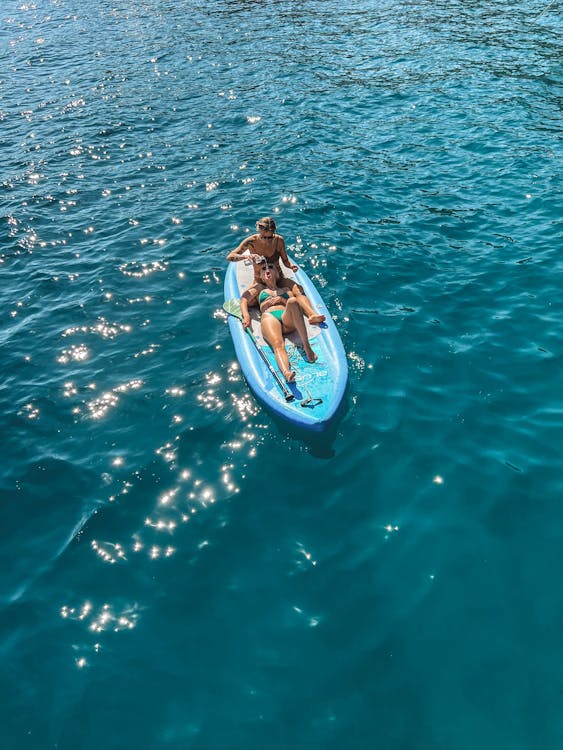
319	387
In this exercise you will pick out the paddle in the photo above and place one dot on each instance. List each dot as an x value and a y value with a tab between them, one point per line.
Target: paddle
232	307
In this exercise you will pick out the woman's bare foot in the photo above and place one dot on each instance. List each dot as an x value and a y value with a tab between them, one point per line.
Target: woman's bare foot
310	354
289	376
316	318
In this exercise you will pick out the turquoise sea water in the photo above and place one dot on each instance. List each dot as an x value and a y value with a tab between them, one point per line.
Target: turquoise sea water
177	571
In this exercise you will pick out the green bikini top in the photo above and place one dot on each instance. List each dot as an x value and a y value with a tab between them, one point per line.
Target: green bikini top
265	294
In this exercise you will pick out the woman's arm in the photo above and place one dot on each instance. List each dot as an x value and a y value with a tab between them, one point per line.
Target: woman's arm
283	256
248	298
244	311
241	252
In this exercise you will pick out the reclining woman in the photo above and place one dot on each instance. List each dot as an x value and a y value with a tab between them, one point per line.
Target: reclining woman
268	245
281	314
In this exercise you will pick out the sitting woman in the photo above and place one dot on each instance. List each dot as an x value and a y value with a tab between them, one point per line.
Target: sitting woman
281	314
266	243
268	247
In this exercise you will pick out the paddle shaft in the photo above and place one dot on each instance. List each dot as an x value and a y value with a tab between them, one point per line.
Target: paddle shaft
288	395
285	390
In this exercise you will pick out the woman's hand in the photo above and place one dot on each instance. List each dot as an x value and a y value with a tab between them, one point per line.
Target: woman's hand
294	268
256	258
246	321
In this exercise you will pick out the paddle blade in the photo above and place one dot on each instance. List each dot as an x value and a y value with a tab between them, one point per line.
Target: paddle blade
232	306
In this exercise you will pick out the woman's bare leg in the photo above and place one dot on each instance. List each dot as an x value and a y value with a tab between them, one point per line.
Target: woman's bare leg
312	316
293	320
272	332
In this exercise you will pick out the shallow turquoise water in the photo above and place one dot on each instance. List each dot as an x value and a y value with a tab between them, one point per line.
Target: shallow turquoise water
177	570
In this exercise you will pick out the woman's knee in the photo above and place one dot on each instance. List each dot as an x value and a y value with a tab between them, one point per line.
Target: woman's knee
272	334
294	308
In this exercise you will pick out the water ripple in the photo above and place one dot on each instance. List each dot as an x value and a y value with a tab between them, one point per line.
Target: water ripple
159	527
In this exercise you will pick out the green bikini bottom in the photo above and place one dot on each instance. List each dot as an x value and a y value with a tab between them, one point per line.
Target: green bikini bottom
277	314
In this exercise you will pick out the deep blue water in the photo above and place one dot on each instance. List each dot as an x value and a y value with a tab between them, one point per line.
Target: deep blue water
177	571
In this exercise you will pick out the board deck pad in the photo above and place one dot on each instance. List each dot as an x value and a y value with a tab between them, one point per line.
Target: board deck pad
245	277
